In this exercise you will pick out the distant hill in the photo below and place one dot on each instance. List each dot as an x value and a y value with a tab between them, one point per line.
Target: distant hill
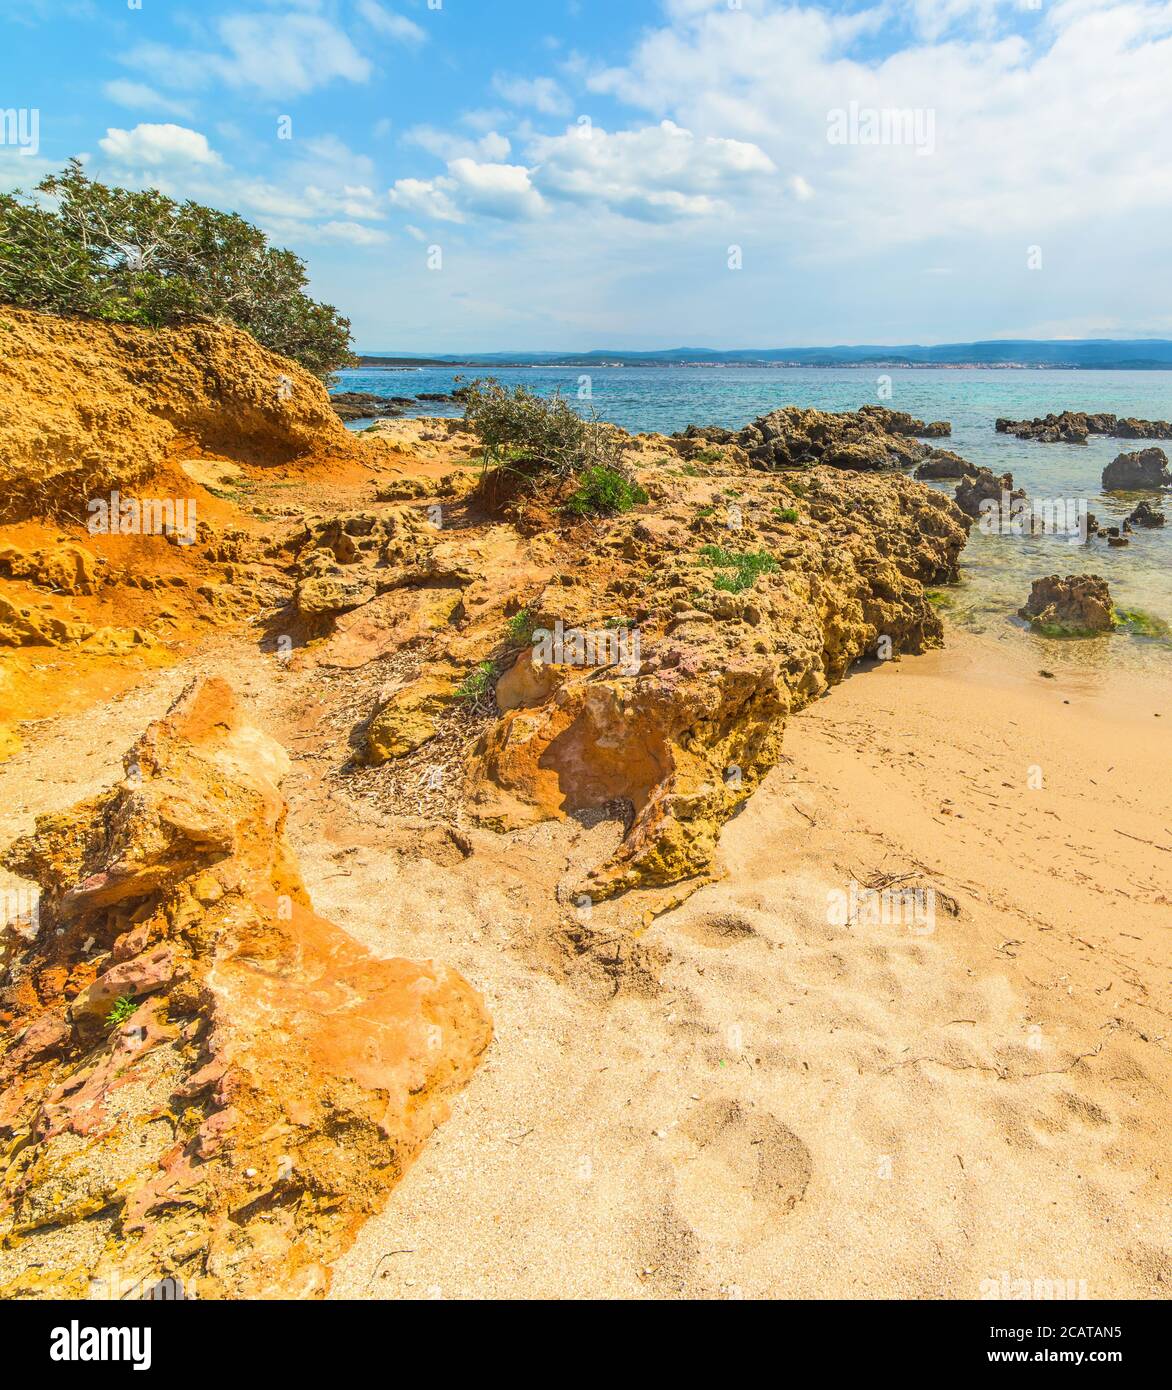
1149	354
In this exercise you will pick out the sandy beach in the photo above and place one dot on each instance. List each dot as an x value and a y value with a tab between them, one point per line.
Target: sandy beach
793	1109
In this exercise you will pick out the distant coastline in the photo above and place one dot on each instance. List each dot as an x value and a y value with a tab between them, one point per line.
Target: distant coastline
1154	354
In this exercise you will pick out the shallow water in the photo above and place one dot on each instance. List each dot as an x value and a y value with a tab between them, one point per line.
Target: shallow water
996	570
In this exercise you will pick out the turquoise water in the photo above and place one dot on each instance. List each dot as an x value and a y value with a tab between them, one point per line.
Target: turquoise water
996	570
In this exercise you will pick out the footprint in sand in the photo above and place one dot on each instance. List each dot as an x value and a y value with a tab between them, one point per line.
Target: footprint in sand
719	930
738	1172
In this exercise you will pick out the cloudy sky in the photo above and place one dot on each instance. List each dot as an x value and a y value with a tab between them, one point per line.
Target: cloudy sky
542	174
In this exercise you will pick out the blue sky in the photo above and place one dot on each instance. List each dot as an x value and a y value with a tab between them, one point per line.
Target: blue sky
542	174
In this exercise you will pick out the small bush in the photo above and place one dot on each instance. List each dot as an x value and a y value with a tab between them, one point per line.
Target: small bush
121	1011
520	627
516	427
477	683
745	567
603	491
786	514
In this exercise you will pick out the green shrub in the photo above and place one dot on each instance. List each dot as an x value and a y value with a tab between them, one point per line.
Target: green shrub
746	566
786	514
81	247
519	427
520	627
603	491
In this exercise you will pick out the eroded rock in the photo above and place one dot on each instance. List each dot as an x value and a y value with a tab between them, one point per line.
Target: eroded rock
1079	605
1144	469
872	438
200	1079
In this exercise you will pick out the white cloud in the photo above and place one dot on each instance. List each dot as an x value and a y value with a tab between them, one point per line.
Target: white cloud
654	174
276	55
351	233
157	146
394	26
496	190
1028	135
446	145
427	198
472	188
137	96
541	93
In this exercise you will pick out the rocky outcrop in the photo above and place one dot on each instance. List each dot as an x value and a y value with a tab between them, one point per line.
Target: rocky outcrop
670	654
1075	426
363	405
1078	606
1131	428
872	438
1145	469
88	407
200	1079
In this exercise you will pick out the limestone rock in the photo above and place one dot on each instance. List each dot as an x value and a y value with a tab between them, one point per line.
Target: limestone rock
264	1080
678	711
87	407
407	719
1079	605
872	438
943	463
1147	516
983	485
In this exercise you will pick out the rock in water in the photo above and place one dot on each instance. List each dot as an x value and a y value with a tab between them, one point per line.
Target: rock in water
1147	468
870	439
200	1079
943	463
364	405
983	485
1078	606
1146	515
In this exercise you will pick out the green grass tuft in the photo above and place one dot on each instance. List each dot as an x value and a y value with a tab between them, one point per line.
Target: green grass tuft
745	566
477	683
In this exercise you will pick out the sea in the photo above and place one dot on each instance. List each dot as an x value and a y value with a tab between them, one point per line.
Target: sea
996	570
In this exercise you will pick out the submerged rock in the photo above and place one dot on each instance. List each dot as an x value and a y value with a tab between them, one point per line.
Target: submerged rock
1079	605
1147	468
200	1079
1147	516
364	405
